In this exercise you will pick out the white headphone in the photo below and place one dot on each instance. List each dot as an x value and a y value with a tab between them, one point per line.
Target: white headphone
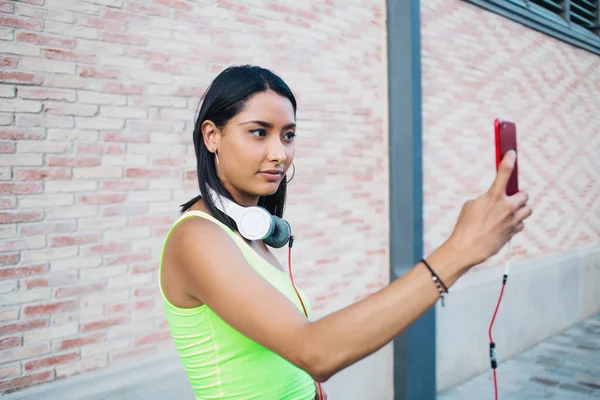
254	223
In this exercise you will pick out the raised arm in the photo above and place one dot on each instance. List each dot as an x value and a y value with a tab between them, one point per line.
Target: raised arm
216	273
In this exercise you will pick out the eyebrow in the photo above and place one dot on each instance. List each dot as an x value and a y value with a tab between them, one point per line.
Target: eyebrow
267	125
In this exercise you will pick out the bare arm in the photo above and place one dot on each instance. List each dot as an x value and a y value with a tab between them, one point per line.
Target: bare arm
217	274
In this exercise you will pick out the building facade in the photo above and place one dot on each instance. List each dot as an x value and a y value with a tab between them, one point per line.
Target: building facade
97	107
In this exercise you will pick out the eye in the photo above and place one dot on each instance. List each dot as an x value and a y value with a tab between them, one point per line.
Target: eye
290	135
259	132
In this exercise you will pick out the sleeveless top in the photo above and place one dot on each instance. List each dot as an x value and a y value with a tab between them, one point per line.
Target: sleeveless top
222	363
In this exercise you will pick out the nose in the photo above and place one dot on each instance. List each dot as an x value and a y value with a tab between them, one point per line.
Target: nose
276	151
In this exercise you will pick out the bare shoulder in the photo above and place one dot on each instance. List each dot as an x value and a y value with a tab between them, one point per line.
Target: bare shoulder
192	247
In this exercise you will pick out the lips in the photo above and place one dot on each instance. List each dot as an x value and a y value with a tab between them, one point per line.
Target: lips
272	175
272	172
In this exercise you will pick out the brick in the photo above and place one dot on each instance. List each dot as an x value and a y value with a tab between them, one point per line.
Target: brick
107	248
125	209
78	110
10	370
123	112
63	240
42	228
124	160
46	14
69	186
7	147
13	133
127	38
75	290
67	344
7	33
45	120
49	308
50	66
55	253
103	273
29	174
8	62
22	160
101	48
22	326
101	98
101	198
96	72
7	7
46	40
7	202
99	123
73	5
96	173
20	188
51	361
19	353
9	259
19	272
46	94
73	161
9	313
50	280
6	175
79	263
6	119
66	81
53	54
20	106
104	323
81	314
21	49
35	146
9	342
175	4
51	333
75	211
101	23
125	185
152	338
127	137
20	77
16	244
26	380
20	22
123	16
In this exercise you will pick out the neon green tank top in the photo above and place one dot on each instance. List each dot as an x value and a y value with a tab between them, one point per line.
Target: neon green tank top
222	363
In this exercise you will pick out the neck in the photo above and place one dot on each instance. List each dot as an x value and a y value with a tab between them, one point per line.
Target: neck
243	199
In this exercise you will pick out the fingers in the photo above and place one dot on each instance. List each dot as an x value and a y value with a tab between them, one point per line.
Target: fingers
505	168
521	215
518	200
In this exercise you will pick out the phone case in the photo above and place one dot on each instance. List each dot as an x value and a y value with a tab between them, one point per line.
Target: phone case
506	140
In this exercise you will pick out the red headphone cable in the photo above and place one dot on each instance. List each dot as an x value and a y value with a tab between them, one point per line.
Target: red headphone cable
493	360
290	244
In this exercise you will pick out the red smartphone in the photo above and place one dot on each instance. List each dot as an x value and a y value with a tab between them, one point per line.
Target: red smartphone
506	140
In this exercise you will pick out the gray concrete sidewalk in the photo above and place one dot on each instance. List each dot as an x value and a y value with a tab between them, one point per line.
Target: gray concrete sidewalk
566	366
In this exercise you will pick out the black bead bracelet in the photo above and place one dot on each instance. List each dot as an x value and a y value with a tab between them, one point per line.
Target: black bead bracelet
442	288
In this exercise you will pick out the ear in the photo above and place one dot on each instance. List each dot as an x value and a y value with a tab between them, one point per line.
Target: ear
211	135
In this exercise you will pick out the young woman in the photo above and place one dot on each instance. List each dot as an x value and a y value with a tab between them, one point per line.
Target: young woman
239	325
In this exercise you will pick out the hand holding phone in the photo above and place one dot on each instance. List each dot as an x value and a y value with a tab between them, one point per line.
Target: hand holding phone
506	140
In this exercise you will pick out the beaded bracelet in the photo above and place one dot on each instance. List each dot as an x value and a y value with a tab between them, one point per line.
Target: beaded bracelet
442	289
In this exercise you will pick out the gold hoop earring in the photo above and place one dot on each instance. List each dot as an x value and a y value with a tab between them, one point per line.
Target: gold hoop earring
293	173
218	168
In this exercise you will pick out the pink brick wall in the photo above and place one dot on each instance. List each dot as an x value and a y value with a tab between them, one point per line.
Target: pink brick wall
478	65
98	100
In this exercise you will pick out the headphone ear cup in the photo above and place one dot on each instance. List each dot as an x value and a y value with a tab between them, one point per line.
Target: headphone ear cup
280	235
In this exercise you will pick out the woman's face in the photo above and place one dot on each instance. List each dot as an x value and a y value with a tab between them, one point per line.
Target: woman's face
256	147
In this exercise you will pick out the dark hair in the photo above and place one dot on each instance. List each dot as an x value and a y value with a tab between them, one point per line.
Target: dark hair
224	98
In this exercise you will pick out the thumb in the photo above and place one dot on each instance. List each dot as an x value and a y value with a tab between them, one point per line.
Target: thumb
505	169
